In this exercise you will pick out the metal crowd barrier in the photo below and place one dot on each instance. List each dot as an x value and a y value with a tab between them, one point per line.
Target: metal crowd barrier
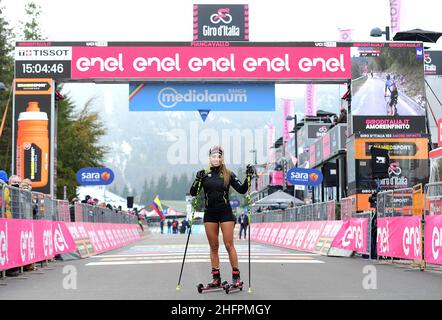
433	199
395	203
92	213
310	212
18	203
348	207
432	206
404	202
370	216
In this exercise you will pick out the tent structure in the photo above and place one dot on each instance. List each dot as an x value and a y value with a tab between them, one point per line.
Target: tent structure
417	35
278	198
170	214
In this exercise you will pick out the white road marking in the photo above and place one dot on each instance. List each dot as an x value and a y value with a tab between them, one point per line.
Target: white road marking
113	263
190	257
197	253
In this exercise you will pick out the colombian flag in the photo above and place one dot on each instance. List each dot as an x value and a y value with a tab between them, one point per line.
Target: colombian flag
156	206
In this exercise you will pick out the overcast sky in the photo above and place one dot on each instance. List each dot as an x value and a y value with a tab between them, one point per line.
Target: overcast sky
275	20
171	20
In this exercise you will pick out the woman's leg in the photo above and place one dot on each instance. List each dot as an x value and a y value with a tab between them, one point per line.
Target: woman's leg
212	233
227	229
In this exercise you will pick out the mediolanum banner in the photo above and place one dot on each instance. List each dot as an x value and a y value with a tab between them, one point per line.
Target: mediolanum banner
197	96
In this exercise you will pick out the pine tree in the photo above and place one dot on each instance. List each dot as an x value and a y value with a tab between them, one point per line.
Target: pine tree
162	186
174	189
78	143
152	189
113	189
145	192
184	184
31	27
125	192
78	133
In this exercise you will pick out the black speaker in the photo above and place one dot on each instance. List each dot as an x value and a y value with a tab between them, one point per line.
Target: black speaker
329	171
130	202
380	162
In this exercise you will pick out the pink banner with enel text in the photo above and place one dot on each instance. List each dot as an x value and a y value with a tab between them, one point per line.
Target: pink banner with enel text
353	236
399	237
23	242
104	236
229	62
433	239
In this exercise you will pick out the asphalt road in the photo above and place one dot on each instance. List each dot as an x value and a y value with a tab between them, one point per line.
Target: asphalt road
370	100
149	269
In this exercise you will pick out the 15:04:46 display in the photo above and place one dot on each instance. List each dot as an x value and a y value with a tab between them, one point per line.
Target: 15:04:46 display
31	68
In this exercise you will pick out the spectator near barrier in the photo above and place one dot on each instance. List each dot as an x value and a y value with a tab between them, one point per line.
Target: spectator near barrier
140	221
243	221
162	226
26	184
86	199
14	196
3	181
175	226
169	226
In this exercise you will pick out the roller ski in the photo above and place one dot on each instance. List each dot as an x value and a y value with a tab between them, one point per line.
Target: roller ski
215	285
236	284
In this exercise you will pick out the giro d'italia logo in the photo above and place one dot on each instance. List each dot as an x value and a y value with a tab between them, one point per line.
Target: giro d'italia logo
222	15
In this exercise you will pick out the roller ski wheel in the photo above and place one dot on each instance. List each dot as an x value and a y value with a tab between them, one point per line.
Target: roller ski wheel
208	288
233	287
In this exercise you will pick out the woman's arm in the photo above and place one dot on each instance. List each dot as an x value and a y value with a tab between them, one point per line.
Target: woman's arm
237	185
199	178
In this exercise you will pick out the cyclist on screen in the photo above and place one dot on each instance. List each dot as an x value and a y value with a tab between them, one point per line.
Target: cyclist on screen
390	84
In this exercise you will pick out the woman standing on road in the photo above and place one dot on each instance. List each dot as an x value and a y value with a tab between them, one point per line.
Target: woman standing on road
216	182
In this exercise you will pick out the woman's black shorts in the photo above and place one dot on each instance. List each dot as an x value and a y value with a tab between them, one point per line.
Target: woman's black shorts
219	217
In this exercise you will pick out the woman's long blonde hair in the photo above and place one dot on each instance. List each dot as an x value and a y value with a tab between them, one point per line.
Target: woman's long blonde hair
224	171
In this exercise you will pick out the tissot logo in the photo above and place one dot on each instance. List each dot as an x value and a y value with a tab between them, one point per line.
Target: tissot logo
25	53
43	53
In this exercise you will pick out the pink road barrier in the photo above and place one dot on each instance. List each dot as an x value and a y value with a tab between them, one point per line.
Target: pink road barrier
308	236
353	235
399	237
433	239
95	238
23	242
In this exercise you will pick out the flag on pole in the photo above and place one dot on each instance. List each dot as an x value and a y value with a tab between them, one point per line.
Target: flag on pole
310	107
395	17
345	34
156	206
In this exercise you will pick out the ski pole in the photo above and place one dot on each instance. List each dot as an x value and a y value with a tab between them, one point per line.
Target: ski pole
178	288
249	222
